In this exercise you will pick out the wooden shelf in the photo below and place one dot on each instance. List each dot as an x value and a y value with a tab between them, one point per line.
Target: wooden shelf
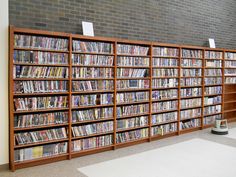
40	94
189	129
198	117
230	101
189	97
166	67
40	79
205	95
41	110
230	110
41	143
132	141
162	123
164	135
191	86
206	115
49	65
40	127
212	76
129	129
165	111
92	135
165	77
93	91
192	107
170	57
132	90
92	106
40	49
164	88
133	78
191	67
165	99
131	103
133	67
131	55
74	153
212	104
92	53
93	66
132	115
82	79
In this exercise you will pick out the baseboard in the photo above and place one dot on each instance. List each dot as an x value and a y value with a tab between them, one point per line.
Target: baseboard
4	167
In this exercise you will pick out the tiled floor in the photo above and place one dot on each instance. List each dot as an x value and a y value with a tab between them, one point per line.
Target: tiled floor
70	168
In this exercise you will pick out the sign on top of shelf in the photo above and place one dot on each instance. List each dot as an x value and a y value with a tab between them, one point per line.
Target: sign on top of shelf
87	28
212	43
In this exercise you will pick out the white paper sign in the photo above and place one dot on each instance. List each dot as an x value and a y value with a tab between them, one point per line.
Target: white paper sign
87	28
212	43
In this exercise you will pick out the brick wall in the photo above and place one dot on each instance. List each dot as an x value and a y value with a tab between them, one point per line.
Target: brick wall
172	21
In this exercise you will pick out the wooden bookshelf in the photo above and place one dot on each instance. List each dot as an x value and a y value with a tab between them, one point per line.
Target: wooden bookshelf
163	82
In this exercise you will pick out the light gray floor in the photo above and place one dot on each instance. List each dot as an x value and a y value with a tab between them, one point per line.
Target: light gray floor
68	168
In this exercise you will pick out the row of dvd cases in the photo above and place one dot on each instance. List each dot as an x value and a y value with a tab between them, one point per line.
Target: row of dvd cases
71	94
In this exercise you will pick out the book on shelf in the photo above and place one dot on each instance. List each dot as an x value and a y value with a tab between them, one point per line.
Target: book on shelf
190	113
131	135
164	106
40	42
32	120
191	62
132	84
213	90
230	72
163	129
40	136
132	122
132	61
92	114
97	60
188	82
213	63
39	72
213	55
210	120
164	83
39	103
212	109
187	53
92	143
131	110
92	85
212	100
165	51
191	72
40	151
230	56
128	49
164	62
92	47
191	92
91	72
194	102
40	86
164	117
130	72
186	124
164	94
165	72
127	97
92	99
230	64
213	72
230	80
90	129
213	80
39	57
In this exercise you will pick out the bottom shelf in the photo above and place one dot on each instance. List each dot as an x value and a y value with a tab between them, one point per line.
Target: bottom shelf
187	130
133	142
156	137
91	151
40	161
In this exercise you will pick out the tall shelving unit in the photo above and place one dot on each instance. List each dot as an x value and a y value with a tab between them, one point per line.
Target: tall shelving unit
191	75
117	93
229	85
